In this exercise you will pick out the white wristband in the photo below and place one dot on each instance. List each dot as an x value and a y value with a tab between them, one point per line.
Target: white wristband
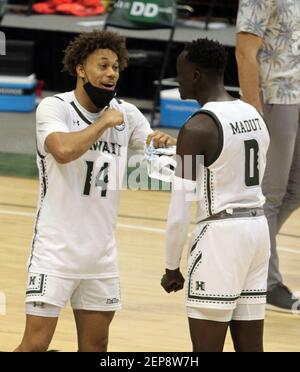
178	221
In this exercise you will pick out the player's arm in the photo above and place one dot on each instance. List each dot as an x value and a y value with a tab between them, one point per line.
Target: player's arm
142	131
161	139
247	47
66	147
193	140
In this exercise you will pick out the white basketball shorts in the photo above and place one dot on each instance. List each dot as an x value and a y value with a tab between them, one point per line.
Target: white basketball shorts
47	294
228	266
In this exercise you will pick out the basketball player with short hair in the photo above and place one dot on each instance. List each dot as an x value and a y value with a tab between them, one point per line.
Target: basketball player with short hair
82	142
230	247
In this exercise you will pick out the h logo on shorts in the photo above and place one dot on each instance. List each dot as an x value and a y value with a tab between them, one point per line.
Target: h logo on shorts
32	280
200	286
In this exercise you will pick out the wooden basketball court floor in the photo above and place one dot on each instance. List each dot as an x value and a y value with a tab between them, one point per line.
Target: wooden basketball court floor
151	320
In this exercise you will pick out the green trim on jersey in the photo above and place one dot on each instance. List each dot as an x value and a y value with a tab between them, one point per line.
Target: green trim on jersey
209	198
80	114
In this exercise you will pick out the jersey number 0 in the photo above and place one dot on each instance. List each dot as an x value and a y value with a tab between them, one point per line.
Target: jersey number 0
251	163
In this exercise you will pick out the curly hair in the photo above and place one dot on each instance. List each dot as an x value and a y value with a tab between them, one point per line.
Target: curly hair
208	54
87	42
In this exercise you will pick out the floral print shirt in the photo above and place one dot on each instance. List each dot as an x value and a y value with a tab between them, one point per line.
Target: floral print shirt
277	22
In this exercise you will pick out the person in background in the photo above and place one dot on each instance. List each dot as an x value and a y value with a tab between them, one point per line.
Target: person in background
268	58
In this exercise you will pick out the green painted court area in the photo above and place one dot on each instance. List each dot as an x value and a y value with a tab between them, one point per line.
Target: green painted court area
18	165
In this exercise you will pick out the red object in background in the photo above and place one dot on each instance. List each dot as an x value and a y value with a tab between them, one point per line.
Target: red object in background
79	8
58	2
39	88
44	8
88	3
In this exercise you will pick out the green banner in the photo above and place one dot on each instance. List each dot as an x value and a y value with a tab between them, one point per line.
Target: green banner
143	14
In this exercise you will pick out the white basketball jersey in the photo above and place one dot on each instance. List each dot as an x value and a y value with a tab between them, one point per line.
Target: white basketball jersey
234	179
77	209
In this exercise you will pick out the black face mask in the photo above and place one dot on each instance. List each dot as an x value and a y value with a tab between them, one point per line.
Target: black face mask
99	96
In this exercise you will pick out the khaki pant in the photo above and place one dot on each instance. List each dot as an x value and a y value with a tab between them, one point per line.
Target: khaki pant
281	183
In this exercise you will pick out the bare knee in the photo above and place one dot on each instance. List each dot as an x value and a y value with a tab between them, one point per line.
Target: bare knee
207	335
37	346
247	344
93	329
247	336
99	345
38	334
247	347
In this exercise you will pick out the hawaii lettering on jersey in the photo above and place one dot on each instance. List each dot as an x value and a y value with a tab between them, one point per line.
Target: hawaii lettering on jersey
245	126
108	147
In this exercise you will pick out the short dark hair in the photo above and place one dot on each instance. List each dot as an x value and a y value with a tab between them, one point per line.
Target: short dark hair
86	43
208	54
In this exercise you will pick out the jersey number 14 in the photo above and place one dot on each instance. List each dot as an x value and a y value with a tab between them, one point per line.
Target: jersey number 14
101	178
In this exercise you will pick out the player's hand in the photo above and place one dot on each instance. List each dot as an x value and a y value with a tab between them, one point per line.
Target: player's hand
111	118
172	281
161	139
